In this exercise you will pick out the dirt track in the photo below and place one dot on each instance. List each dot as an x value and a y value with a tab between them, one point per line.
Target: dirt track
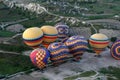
104	21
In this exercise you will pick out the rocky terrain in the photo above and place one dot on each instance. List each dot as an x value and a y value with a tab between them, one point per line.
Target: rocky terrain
72	12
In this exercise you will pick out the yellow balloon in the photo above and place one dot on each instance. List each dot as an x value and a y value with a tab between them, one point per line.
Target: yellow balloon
50	33
33	37
98	41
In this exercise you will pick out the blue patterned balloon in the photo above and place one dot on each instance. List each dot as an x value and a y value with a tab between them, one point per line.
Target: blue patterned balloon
63	30
77	46
58	52
115	50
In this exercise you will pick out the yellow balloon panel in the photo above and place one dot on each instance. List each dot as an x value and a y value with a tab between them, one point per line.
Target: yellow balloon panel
33	37
99	36
50	33
49	30
99	40
32	33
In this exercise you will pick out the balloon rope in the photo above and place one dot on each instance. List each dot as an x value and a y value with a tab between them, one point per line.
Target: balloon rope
93	27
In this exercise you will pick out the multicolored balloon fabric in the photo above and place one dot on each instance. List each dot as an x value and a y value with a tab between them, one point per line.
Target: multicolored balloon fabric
98	41
115	50
33	37
50	33
62	29
58	52
39	57
77	46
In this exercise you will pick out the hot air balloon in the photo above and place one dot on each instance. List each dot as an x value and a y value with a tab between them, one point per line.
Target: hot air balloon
63	30
33	37
99	42
115	50
39	57
50	33
64	40
77	46
58	52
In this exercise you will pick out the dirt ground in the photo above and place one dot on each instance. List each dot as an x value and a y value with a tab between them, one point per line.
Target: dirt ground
87	63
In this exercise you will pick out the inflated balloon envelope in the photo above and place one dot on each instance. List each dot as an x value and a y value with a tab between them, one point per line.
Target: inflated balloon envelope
63	30
33	37
98	42
40	57
115	50
50	33
56	53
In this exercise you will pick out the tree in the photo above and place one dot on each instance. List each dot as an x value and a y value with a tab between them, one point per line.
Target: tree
113	39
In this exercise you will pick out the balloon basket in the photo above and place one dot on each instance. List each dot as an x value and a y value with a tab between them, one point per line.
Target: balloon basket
97	55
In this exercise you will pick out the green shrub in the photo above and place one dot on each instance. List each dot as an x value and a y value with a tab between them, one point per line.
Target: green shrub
114	71
113	39
84	74
13	48
43	78
4	33
10	64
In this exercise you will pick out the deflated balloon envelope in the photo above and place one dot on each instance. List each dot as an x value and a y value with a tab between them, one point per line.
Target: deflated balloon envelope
39	57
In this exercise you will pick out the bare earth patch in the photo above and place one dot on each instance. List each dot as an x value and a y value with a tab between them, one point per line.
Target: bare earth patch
87	63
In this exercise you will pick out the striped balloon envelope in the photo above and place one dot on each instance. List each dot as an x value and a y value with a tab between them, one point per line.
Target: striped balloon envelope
33	37
115	50
58	52
77	46
63	30
39	57
50	33
64	40
99	42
